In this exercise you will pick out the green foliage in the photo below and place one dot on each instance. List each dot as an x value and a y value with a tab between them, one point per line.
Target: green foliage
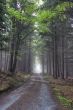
60	8
44	17
24	13
17	14
2	13
37	44
66	102
2	20
48	15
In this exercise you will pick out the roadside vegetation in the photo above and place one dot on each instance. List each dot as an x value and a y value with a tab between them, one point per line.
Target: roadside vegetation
8	82
63	90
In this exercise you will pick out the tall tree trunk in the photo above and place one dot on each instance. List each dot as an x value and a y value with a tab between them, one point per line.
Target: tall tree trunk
11	55
29	56
43	63
1	58
16	54
56	60
12	48
47	63
62	74
53	57
49	54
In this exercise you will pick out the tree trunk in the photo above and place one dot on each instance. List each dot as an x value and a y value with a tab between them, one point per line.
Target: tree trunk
62	74
15	54
11	55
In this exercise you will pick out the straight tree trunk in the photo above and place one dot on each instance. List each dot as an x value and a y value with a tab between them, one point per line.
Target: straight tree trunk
11	55
16	54
1	60
56	60
29	55
62	74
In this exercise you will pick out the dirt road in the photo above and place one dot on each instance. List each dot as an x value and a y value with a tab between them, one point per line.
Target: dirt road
34	95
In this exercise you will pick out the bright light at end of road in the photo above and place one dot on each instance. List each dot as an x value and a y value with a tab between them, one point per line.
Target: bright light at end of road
37	67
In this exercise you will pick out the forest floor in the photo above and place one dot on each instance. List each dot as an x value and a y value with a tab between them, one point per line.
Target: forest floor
63	90
9	82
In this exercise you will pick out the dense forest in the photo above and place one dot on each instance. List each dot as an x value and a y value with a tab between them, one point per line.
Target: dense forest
36	36
28	29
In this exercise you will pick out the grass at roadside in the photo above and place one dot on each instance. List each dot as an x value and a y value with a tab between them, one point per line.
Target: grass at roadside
63	90
8	81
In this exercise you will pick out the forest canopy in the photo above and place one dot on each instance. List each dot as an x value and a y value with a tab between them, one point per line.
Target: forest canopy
29	27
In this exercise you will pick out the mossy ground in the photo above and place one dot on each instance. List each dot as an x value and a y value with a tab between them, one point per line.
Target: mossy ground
10	81
63	90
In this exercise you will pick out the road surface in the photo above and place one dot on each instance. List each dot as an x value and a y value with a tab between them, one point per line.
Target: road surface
34	95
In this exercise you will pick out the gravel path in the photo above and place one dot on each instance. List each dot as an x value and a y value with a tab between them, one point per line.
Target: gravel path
35	95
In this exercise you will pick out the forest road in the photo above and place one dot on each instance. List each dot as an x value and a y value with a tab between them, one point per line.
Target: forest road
34	95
